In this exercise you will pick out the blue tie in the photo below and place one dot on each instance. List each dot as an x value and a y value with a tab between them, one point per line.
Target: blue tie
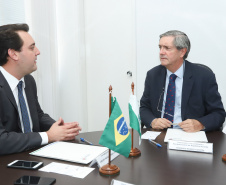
23	109
170	98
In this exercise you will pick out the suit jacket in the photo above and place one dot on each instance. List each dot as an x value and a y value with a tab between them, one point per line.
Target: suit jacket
200	97
12	139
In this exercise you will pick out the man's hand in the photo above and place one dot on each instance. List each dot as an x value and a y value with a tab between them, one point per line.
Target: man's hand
191	125
160	123
76	125
61	131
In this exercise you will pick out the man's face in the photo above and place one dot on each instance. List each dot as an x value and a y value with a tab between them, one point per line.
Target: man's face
170	56
28	54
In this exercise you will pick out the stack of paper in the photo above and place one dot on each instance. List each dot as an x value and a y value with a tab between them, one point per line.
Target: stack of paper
150	135
65	169
180	135
72	152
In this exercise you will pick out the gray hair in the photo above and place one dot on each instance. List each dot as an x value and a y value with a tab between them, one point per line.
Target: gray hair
181	40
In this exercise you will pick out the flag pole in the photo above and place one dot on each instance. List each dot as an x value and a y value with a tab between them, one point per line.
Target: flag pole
134	152
109	151
109	169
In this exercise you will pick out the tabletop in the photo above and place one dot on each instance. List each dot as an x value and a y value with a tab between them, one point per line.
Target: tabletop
157	166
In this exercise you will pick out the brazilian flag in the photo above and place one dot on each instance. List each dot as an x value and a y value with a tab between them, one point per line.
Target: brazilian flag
116	135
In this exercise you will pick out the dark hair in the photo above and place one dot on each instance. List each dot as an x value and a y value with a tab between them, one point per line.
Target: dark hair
181	40
10	39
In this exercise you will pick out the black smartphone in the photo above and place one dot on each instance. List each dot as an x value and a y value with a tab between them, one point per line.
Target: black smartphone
33	165
34	180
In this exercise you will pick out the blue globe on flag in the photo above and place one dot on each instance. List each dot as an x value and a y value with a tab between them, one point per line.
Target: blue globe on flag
122	127
121	130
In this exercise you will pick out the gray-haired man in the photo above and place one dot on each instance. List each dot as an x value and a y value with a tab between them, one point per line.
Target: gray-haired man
178	93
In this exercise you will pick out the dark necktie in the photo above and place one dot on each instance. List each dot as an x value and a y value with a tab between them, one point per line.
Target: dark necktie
23	108
170	98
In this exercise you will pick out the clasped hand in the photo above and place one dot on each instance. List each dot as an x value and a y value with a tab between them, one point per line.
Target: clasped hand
61	131
189	125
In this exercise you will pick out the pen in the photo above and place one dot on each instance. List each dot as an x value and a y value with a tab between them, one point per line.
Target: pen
157	144
173	123
84	140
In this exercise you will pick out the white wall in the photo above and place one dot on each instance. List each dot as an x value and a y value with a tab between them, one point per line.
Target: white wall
203	22
110	53
58	29
72	64
85	47
81	40
12	11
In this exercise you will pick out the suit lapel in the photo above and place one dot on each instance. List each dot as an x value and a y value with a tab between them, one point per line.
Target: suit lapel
188	81
161	88
30	101
5	86
9	94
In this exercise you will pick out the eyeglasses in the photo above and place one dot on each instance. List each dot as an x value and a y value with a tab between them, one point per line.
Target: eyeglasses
164	102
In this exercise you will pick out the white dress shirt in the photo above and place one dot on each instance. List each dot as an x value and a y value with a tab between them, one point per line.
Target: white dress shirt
13	82
179	84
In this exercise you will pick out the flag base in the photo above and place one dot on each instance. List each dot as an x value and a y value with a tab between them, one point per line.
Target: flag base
134	152
109	170
224	157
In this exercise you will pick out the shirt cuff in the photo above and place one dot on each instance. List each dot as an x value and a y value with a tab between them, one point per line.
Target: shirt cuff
44	137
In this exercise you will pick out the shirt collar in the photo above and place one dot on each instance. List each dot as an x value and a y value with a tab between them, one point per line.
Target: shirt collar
12	81
179	72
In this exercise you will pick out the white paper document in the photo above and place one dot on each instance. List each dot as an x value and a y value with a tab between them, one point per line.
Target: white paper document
150	135
180	135
65	169
103	158
117	182
72	152
191	146
224	129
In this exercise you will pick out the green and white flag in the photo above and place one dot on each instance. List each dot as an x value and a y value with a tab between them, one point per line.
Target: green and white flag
116	135
134	115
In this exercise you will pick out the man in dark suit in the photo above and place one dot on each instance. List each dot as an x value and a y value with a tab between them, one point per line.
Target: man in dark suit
23	124
195	104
